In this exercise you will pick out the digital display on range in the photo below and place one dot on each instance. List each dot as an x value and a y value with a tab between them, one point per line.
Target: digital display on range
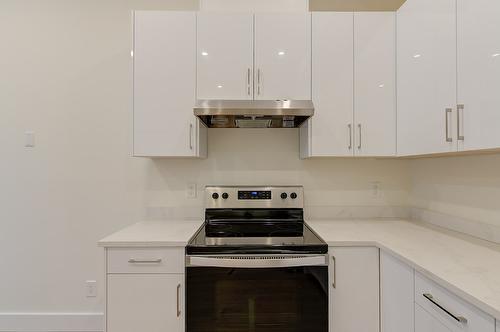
249	194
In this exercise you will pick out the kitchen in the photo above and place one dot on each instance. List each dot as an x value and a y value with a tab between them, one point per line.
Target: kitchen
405	202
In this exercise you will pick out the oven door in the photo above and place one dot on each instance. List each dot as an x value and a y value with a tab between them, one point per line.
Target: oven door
286	293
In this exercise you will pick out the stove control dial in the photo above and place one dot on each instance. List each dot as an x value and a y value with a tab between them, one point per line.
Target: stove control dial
215	196
293	195
284	195
225	195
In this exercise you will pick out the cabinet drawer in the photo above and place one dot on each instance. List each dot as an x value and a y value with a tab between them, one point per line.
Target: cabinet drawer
145	260
449	309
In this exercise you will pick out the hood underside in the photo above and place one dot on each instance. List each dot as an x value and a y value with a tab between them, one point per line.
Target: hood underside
253	113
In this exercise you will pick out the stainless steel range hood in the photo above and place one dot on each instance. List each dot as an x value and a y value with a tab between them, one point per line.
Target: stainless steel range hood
253	113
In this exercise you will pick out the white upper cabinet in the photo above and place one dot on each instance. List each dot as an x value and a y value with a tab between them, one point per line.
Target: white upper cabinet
426	51
479	74
282	56
329	131
374	83
165	85
225	56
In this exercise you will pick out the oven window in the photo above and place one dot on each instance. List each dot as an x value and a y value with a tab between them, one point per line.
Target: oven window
257	300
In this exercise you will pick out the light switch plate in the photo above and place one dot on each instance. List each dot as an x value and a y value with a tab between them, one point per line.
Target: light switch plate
191	190
91	288
29	139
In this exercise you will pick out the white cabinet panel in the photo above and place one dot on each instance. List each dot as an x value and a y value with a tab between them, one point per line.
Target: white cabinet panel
479	73
282	56
354	289
145	260
164	85
396	295
425	322
374	83
426	52
225	55
332	86
149	303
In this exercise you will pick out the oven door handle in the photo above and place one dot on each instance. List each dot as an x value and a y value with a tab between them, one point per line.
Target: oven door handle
257	261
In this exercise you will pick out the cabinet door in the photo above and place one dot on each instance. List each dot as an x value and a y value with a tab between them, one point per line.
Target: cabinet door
225	56
396	295
354	289
426	52
282	56
148	303
479	73
164	85
375	83
329	131
425	322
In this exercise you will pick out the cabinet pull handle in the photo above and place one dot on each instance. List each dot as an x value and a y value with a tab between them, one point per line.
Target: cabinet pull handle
178	300
350	136
191	136
446	113
460	109
459	319
334	283
144	261
258	82
359	128
248	81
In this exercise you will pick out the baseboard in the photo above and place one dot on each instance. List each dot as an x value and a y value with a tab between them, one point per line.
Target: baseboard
51	322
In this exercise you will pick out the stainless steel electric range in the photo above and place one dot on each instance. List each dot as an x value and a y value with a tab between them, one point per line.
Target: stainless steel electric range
255	265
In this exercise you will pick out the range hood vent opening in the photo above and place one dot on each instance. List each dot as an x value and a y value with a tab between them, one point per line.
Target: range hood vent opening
253	113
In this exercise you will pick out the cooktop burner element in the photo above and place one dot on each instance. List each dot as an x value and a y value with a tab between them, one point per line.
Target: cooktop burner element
255	220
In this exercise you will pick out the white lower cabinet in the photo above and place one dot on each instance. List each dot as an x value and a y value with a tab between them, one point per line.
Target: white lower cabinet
425	322
453	312
354	289
145	290
145	302
396	295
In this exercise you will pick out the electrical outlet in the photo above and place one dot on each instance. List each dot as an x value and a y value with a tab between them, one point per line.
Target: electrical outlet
29	139
375	188
91	288
191	190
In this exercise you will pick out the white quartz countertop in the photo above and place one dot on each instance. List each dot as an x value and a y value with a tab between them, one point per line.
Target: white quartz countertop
468	267
171	233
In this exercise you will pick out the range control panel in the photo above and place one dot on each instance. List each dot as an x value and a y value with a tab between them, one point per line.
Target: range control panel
244	197
257	194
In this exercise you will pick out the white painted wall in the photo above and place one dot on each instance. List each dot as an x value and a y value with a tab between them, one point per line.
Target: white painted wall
461	193
66	74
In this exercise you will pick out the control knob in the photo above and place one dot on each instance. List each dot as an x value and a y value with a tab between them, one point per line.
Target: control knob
284	195
215	196
293	195
225	195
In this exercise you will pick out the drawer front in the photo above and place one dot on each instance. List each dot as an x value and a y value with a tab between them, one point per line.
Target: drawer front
449	309
145	260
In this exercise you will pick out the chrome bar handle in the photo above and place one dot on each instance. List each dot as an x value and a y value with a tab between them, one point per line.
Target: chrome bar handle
459	319
257	261
248	81
258	81
144	261
460	109
178	300
359	128
191	136
350	135
448	138
334	283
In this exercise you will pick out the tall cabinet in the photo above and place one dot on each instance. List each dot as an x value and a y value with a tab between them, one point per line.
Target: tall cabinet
254	56
164	86
353	86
